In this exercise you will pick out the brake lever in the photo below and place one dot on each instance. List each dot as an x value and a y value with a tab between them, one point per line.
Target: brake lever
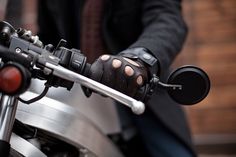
137	107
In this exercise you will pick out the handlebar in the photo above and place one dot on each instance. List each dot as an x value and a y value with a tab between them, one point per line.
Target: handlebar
136	106
43	63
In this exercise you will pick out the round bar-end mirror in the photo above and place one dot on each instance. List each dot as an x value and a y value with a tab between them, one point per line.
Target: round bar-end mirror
195	85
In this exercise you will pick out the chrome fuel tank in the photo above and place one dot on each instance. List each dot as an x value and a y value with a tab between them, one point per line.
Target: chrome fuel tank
73	118
100	110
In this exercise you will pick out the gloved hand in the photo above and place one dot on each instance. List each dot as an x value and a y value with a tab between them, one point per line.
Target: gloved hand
119	73
127	75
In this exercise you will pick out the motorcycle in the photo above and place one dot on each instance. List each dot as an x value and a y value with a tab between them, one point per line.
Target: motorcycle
50	125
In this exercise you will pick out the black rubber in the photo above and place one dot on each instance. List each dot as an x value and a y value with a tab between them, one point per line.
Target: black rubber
4	149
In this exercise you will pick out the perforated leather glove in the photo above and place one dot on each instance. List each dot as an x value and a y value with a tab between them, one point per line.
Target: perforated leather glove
125	72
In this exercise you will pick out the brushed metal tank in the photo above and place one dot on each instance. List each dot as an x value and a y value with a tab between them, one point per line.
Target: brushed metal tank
72	117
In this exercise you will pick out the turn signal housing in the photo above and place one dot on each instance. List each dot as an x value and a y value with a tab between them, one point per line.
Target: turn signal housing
14	79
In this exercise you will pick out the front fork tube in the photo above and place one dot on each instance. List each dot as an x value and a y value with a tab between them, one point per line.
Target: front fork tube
8	106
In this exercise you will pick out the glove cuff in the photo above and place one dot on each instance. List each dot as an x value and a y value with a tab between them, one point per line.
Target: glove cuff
144	55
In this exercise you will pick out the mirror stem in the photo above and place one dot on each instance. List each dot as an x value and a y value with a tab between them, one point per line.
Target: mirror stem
169	86
155	81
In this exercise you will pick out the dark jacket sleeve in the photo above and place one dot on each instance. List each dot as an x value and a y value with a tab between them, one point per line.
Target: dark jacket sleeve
164	30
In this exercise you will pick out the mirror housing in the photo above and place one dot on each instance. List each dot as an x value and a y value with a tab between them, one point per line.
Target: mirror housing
195	85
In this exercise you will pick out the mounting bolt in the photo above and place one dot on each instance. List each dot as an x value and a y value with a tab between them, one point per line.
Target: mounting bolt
47	71
18	50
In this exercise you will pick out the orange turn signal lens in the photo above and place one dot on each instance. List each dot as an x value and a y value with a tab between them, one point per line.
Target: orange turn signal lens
10	79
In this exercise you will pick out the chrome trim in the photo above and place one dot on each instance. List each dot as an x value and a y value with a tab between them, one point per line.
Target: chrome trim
24	147
7	116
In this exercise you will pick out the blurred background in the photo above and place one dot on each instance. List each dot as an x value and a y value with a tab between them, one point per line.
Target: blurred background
211	45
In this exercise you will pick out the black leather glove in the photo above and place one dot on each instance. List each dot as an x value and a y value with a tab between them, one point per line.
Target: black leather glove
125	72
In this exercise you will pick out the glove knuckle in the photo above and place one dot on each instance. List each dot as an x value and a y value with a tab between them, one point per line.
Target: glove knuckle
116	63
105	57
129	71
